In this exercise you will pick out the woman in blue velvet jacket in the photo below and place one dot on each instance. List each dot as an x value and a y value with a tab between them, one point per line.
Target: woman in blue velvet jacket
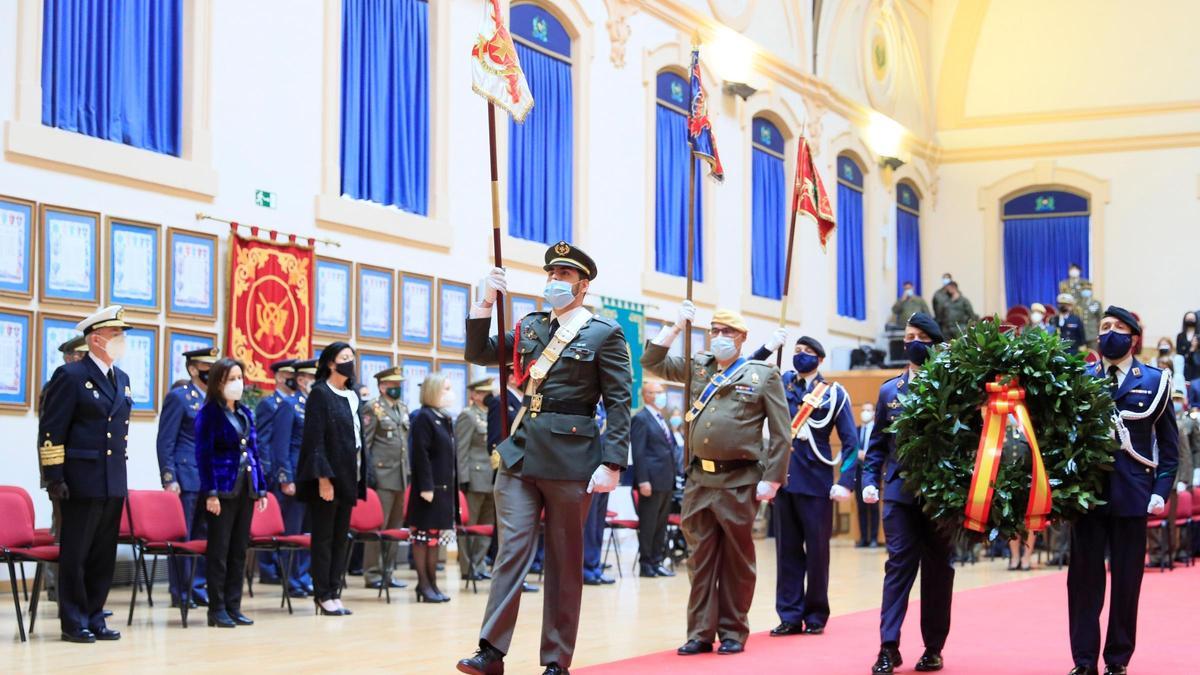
231	476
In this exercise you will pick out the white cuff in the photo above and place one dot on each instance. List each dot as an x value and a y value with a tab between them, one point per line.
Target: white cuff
666	336
480	310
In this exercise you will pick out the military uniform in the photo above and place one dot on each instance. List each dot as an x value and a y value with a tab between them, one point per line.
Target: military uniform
954	315
477	480
1087	307
728	459
549	459
905	306
264	418
177	464
287	431
385	427
83	435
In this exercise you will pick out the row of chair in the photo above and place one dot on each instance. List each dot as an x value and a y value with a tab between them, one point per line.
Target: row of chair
1185	515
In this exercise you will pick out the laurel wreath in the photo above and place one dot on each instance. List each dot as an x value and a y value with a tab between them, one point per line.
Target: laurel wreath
938	430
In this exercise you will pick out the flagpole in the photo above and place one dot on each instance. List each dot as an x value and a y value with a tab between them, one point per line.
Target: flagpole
687	325
498	261
787	280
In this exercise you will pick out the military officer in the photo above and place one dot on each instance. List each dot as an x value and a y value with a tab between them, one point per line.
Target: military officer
385	426
512	398
907	303
177	465
264	417
955	313
1067	326
567	360
803	508
476	473
72	350
1146	455
940	296
1075	282
913	541
84	433
729	473
287	430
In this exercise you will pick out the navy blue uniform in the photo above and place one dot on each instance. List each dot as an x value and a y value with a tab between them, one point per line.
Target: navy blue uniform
913	542
287	430
1146	468
803	510
264	417
83	434
177	464
593	527
1070	331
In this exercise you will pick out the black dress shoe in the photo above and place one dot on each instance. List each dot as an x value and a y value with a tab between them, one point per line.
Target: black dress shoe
241	619
527	587
487	661
1083	670
648	571
221	620
297	593
929	662
200	600
663	571
175	604
810	629
268	581
730	647
555	669
106	633
606	580
888	661
1115	670
787	628
375	585
483	576
106	613
693	647
81	636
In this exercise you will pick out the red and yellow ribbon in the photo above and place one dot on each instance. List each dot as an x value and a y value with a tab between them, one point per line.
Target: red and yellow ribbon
811	401
1003	400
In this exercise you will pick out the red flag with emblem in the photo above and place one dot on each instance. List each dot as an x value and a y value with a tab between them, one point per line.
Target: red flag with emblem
809	196
495	70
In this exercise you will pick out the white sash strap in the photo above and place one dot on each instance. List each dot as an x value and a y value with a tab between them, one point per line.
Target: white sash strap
549	356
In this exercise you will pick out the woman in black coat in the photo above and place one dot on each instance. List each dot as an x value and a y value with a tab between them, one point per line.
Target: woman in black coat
331	473
1187	346
433	495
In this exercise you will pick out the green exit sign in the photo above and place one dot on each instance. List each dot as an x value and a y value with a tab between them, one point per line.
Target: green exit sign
264	199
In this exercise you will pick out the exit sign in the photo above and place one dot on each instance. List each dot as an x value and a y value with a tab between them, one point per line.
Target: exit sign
264	199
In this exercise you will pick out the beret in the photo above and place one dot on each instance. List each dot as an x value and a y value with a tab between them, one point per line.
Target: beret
728	317
812	344
1126	316
926	323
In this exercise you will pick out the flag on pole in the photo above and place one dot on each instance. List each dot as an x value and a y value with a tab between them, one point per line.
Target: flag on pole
495	70
809	196
700	134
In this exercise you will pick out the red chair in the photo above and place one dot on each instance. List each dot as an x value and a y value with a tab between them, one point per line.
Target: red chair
1164	523
17	547
41	536
158	526
267	534
470	531
366	525
614	524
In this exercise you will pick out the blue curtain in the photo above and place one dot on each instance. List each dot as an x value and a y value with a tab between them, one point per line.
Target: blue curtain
671	196
851	272
768	247
385	102
112	69
1037	252
908	251
540	153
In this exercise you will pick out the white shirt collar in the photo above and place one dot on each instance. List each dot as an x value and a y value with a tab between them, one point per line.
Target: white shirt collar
565	317
1123	365
104	367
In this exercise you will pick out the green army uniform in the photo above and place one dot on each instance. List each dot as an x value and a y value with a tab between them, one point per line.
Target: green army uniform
940	296
956	314
477	479
1189	446
1087	307
906	307
385	428
728	459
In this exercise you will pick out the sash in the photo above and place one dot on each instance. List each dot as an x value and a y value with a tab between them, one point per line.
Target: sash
811	401
1121	432
546	360
715	383
801	422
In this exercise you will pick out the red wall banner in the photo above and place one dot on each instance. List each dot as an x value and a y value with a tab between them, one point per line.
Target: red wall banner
270	308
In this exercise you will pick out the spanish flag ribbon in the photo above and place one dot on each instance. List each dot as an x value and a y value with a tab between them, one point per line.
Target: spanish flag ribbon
1004	400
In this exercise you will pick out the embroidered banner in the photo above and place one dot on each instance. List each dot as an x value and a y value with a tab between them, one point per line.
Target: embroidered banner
270	305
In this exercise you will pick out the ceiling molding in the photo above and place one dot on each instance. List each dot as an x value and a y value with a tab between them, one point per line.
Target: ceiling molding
1189	139
957	60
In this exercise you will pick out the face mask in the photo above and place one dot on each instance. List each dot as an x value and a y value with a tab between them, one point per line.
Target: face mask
203	375
1074	274
345	368
723	348
946	280
866	416
1178	407
1064	310
805	363
115	347
1037	317
393	393
233	390
676	421
290	383
660	401
448	400
558	294
1087	292
1164	350
917	352
908	292
1190	323
1114	345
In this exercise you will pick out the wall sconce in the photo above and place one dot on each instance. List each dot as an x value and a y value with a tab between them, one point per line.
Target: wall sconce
740	89
890	163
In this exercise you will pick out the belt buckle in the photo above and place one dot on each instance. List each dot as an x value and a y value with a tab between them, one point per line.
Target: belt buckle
708	466
535	403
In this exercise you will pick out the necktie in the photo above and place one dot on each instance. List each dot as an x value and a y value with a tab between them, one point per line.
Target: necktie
112	378
1112	378
803	385
553	327
665	429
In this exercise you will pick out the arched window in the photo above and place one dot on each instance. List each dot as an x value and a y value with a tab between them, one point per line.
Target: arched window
908	237
671	155
540	151
767	204
385	102
851	271
1044	232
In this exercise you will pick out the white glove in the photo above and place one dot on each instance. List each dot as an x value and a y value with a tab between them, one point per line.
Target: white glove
777	339
603	480
1156	506
1181	487
766	490
493	284
838	493
871	494
687	312
1196	477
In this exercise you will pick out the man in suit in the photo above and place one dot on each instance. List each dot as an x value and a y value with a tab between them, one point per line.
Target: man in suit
730	471
804	507
568	360
177	466
476	475
913	541
385	426
653	445
1067	326
868	514
264	418
83	435
1146	454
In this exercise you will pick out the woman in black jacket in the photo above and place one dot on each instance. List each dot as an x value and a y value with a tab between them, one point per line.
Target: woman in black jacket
330	476
433	495
1187	345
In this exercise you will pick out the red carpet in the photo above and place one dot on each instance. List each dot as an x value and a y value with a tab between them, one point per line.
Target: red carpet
1015	627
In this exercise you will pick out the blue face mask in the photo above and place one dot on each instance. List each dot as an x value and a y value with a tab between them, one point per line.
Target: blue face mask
917	352
660	401
805	363
676	421
558	294
1178	407
724	348
1114	345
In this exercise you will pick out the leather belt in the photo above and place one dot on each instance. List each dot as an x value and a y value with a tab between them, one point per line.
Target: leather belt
541	404
722	466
